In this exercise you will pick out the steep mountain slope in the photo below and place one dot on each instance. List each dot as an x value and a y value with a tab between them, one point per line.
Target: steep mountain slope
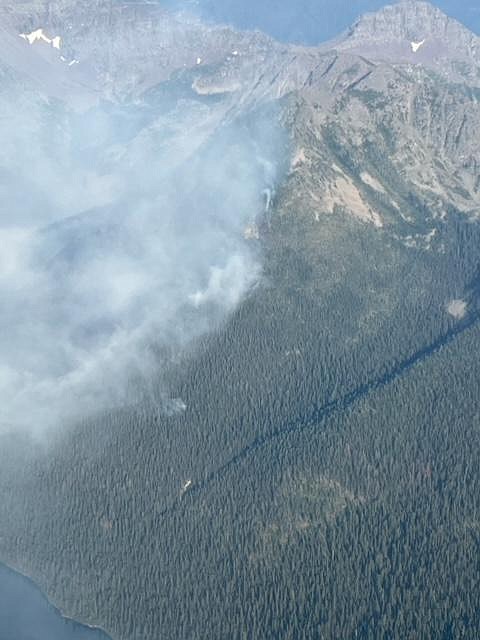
314	473
115	48
415	32
396	140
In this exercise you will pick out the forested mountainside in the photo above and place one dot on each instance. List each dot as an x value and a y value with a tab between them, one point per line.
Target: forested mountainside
317	474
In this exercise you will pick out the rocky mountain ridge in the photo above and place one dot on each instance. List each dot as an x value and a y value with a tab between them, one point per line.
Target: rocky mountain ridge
403	81
127	47
414	32
412	20
124	48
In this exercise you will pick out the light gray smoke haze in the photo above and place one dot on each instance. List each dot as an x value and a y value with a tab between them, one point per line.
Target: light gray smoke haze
122	232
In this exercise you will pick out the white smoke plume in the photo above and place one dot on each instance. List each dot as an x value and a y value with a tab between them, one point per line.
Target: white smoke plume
121	231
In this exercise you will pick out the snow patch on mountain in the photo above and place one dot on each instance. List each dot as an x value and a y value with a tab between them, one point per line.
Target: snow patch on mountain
38	35
69	63
416	45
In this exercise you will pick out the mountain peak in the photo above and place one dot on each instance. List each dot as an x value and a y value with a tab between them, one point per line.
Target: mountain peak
415	32
408	19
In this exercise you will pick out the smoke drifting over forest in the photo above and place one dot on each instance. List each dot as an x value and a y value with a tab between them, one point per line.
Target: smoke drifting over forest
122	234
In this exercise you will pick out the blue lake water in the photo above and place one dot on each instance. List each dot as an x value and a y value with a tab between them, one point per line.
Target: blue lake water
26	614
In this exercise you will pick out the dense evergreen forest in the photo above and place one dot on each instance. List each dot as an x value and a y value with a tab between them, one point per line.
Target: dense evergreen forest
331	437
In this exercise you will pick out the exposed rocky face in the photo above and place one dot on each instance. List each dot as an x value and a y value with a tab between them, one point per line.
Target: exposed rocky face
114	48
387	110
415	32
410	20
394	148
